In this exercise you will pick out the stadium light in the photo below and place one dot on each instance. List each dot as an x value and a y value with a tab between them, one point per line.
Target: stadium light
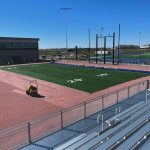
66	9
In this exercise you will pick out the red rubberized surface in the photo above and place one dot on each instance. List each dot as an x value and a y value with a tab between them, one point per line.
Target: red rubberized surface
16	107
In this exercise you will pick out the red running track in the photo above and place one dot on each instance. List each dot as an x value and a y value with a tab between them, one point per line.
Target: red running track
17	107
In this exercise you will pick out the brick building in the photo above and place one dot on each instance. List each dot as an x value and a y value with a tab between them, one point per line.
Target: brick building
18	50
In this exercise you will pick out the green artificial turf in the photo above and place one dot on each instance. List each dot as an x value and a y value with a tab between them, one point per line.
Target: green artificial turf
137	56
60	74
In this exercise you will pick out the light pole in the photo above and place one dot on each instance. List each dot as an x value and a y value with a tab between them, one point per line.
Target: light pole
140	46
119	46
66	9
139	39
89	44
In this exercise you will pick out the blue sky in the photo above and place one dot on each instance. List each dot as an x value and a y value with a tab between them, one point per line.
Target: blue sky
45	20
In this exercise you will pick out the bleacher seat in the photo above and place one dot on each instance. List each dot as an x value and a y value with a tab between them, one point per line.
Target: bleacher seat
138	115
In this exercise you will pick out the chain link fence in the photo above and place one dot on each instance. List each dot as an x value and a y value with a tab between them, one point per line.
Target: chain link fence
27	133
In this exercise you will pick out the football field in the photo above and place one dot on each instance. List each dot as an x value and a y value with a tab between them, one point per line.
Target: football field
82	78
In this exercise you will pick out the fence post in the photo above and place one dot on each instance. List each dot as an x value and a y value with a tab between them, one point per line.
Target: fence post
102	103
61	113
139	88
117	96
102	122
117	104
148	84
29	133
128	91
84	109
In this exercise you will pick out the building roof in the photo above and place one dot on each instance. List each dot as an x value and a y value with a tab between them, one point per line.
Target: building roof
18	38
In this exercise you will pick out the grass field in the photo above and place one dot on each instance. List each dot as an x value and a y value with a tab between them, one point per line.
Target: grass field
82	78
137	56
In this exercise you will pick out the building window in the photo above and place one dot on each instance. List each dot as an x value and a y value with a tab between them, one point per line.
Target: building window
18	45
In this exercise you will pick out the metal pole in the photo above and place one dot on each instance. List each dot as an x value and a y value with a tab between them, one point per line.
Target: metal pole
61	116
113	48
29	133
149	54
128	91
119	45
102	113
96	47
117	101
89	44
148	82
84	109
102	103
104	49
101	36
66	10
140	46
139	88
102	122
76	49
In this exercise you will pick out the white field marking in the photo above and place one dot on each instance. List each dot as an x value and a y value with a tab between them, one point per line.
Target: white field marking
11	67
102	75
71	81
78	80
34	66
75	80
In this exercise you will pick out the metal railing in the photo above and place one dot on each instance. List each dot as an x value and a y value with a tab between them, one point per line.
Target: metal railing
29	132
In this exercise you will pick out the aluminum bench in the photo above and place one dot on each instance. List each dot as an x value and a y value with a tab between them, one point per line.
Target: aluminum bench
63	146
123	133
82	141
112	131
133	140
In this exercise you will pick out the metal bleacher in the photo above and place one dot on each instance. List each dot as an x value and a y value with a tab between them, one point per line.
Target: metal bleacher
137	121
126	113
124	133
133	140
78	138
128	129
147	93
